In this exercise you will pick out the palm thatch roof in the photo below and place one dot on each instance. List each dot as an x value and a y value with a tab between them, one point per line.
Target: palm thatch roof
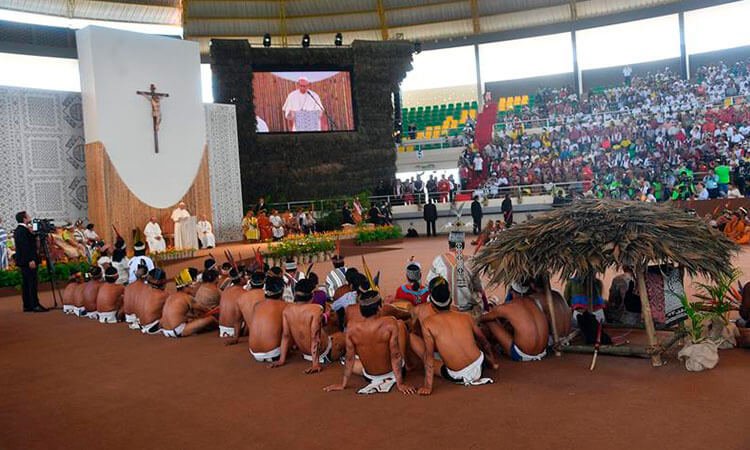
593	235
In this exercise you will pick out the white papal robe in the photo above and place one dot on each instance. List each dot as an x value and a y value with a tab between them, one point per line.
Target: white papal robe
307	109
206	234
152	231
185	235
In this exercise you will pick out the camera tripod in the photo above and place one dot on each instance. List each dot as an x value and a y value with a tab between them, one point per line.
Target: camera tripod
50	269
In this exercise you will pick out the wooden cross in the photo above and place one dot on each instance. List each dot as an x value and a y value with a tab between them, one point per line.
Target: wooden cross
155	99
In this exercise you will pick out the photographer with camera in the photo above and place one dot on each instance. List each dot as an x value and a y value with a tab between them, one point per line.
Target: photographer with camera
27	259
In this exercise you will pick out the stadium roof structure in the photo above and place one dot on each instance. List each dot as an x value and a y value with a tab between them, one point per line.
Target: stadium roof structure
436	23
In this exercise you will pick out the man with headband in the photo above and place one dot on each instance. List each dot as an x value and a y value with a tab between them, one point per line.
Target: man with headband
178	317
264	320
231	322
109	297
132	295
151	301
530	336
413	291
90	291
73	290
454	335
337	277
229	311
302	325
375	348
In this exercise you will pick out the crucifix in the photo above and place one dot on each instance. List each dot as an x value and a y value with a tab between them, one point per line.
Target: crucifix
155	99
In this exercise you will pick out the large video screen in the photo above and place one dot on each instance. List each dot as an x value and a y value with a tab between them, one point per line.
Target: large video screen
311	101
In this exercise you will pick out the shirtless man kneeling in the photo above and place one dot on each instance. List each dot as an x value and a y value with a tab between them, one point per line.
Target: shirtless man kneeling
132	294
231	319
375	348
151	301
264	322
302	326
454	336
90	291
73	289
229	311
530	336
109	298
178	317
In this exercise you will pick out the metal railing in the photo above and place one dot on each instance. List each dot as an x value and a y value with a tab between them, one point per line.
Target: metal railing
422	197
516	191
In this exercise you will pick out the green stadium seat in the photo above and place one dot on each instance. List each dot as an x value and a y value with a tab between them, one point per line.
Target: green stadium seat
474	105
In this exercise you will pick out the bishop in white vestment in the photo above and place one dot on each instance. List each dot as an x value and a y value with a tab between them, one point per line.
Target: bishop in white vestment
206	233
155	240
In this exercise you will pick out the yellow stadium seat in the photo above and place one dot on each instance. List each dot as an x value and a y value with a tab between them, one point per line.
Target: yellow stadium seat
464	115
501	104
454	124
473	114
420	134
509	103
525	100
517	100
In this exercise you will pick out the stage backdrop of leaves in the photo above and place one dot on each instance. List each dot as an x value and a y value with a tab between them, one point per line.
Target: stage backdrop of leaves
298	166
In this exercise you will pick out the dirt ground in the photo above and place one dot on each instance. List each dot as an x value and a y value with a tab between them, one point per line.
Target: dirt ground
74	383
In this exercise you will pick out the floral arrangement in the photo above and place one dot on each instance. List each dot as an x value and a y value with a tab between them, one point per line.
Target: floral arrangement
12	277
376	234
172	254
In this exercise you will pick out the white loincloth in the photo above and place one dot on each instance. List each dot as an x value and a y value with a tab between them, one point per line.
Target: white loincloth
177	332
132	321
151	328
226	331
69	309
323	358
518	355
378	383
108	317
471	374
267	356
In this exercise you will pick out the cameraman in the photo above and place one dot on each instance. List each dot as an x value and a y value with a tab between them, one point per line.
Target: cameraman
27	260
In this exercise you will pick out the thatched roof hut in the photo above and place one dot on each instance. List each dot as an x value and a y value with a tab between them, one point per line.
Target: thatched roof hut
593	235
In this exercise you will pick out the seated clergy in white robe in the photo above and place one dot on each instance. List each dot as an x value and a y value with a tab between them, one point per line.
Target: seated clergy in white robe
206	233
303	109
155	240
185	234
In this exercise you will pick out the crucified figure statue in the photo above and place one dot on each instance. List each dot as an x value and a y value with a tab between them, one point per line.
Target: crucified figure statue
155	99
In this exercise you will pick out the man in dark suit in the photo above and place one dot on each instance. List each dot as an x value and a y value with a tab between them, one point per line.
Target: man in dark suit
27	260
476	215
429	213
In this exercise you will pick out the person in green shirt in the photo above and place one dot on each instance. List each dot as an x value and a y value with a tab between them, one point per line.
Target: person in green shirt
722	172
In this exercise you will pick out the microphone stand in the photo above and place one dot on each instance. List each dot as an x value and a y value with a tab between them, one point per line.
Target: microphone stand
331	124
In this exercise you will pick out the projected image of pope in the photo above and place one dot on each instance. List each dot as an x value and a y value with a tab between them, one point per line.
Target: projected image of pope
303	109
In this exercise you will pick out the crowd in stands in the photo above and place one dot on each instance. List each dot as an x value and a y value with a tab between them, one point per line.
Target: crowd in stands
657	137
644	141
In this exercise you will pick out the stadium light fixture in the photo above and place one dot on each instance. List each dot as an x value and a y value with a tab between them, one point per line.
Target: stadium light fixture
266	40
338	40
306	40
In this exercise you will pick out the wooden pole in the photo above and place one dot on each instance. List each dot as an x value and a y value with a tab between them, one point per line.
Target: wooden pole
648	320
619	350
552	314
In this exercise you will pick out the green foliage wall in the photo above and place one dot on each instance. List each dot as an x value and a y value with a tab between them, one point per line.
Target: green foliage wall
302	166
